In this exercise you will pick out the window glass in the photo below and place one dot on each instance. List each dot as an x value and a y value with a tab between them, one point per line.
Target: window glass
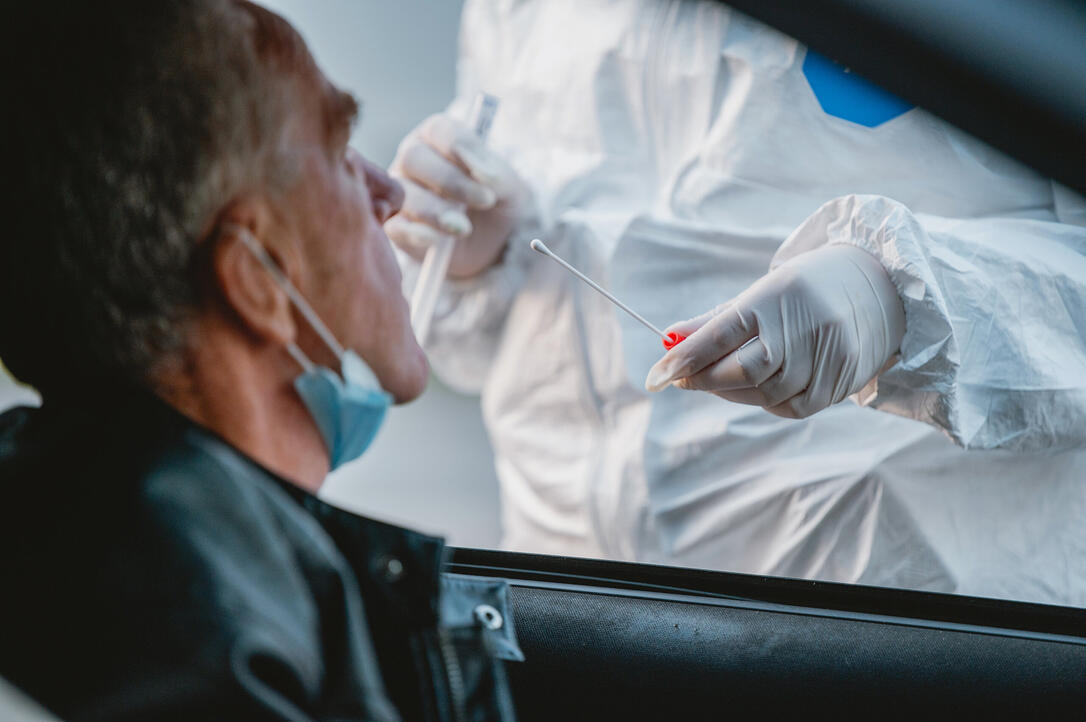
677	152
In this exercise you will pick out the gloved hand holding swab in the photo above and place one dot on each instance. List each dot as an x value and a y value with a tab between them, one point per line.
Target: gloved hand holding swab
670	339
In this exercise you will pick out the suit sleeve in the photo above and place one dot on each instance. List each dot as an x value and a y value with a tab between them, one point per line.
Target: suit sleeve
994	352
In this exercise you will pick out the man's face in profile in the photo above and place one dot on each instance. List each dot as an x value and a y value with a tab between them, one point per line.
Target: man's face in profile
336	209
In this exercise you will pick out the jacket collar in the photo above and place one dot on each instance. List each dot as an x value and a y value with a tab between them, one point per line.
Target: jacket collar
403	566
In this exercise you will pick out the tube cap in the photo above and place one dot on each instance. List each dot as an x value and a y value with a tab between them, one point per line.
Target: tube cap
673	339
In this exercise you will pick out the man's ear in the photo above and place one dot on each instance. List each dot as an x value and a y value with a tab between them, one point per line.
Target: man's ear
247	287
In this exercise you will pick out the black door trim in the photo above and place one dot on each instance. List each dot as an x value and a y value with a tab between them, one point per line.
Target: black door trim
901	606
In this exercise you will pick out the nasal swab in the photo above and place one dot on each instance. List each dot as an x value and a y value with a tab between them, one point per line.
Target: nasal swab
670	339
435	265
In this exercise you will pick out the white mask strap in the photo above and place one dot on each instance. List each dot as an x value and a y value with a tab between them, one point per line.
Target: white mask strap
301	358
296	298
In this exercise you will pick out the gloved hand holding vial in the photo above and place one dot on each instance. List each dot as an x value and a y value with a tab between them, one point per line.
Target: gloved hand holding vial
461	203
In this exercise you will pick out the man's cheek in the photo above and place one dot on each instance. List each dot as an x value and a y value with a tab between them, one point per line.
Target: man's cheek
388	260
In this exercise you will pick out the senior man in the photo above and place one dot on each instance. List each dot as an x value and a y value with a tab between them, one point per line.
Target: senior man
196	278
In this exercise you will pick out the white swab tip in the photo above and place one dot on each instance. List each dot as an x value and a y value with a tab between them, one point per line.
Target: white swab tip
538	246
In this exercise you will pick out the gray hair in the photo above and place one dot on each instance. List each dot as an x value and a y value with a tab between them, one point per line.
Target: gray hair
139	122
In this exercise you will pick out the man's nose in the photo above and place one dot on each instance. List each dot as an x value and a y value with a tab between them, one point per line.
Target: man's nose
386	192
390	203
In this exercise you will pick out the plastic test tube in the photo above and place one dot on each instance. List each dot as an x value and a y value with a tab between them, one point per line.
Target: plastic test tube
435	265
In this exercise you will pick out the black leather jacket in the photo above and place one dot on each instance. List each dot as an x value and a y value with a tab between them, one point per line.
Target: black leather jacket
153	572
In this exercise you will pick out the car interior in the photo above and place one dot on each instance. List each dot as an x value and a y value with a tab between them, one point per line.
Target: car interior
616	640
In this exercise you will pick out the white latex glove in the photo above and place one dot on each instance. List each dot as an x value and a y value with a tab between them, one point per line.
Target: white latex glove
455	186
803	337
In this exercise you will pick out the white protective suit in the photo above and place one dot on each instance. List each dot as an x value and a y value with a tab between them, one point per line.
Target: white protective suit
677	151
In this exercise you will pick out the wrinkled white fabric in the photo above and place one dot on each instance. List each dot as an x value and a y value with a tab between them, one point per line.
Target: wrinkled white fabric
995	349
672	148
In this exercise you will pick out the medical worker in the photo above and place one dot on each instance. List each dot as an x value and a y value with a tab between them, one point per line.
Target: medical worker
849	245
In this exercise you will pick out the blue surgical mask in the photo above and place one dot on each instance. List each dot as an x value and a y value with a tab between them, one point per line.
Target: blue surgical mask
349	407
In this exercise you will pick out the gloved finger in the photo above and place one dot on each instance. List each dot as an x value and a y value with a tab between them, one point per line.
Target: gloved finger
816	397
827	385
690	325
413	237
791	379
458	143
749	366
425	206
718	337
784	410
750	397
425	166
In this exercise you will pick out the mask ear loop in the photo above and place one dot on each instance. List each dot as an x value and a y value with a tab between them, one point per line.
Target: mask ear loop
301	358
299	302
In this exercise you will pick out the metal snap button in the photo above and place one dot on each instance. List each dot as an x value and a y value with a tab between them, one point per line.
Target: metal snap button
488	616
393	570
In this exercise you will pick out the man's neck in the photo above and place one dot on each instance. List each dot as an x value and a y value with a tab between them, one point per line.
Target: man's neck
245	394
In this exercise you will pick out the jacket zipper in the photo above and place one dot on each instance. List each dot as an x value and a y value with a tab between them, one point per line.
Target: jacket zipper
454	674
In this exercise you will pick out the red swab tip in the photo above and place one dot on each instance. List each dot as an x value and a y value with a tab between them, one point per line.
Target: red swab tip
673	339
